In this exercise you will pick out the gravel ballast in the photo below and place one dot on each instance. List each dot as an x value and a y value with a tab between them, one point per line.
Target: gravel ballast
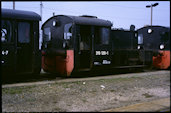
89	94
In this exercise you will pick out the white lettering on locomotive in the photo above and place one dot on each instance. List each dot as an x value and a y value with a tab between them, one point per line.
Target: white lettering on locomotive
102	52
97	63
5	52
97	52
106	62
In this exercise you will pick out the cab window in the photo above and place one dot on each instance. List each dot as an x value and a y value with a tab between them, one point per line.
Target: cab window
164	36
102	35
105	35
140	39
6	31
67	36
46	34
23	32
67	31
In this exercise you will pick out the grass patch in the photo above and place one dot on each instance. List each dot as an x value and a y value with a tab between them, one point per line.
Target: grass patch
112	90
147	95
75	84
17	90
68	84
57	109
120	79
84	100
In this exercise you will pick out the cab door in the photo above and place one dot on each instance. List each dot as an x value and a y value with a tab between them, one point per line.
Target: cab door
84	57
102	47
24	46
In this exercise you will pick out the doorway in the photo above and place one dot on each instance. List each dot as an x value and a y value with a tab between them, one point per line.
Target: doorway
24	47
85	46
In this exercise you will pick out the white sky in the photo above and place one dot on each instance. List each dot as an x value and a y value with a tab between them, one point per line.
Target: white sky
121	13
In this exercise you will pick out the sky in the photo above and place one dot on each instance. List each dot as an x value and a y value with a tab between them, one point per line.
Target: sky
121	13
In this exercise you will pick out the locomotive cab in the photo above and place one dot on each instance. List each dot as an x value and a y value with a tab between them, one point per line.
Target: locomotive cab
157	39
75	43
20	42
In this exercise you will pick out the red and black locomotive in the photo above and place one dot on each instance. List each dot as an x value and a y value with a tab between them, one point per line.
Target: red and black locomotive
157	39
77	43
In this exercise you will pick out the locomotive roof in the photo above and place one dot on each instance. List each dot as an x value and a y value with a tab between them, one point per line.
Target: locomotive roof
85	20
153	27
19	14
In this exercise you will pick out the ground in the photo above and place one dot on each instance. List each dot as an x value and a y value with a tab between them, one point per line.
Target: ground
86	94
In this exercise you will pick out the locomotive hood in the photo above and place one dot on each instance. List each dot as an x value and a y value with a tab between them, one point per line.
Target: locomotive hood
84	20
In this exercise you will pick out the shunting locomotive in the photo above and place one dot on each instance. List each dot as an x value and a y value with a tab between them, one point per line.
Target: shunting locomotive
157	38
79	43
127	51
20	42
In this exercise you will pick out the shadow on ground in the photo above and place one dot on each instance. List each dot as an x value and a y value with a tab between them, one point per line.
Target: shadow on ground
43	76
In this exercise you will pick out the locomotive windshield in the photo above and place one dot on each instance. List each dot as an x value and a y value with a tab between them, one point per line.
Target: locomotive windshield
67	31
46	34
6	31
140	39
67	35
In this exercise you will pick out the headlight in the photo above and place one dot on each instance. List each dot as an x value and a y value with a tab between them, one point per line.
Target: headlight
161	46
54	23
150	31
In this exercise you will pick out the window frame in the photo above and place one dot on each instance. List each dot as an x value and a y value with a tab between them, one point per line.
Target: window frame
100	38
140	39
68	35
49	35
27	39
10	38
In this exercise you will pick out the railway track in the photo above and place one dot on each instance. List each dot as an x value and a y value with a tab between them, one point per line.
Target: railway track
45	78
24	78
